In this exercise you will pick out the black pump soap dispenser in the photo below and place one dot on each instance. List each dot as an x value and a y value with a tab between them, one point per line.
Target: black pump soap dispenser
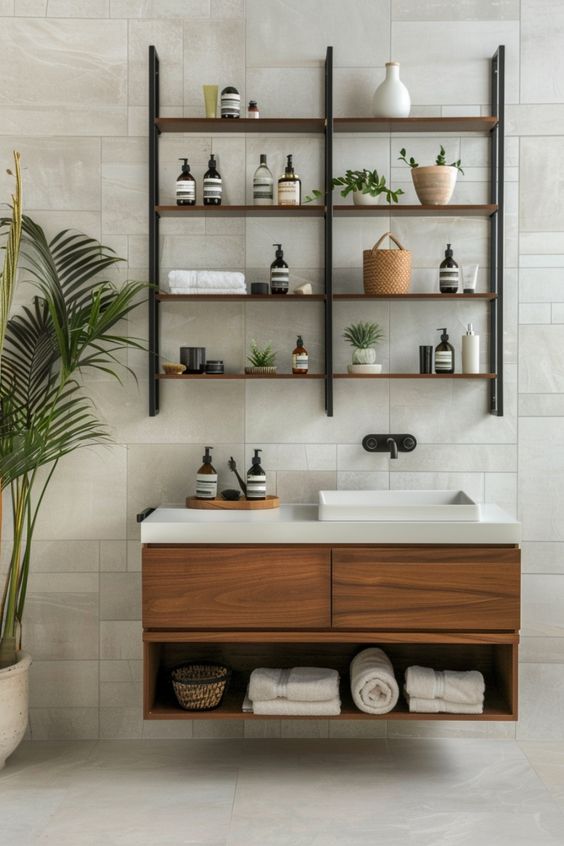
256	479
449	273
206	478
185	186
213	186
279	273
444	354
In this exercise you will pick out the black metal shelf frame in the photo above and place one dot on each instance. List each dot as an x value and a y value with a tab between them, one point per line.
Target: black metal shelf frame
496	192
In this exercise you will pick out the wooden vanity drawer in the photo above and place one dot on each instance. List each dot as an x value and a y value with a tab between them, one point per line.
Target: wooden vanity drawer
426	588
237	587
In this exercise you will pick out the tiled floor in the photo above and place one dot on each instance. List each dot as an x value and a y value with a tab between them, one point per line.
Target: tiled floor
409	792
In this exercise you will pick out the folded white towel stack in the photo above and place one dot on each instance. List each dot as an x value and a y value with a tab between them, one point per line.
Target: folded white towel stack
206	282
373	685
433	691
307	684
300	691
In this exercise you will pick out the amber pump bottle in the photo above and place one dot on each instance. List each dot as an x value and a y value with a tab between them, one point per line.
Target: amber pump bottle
444	354
300	358
289	187
185	186
256	478
279	272
213	185
206	478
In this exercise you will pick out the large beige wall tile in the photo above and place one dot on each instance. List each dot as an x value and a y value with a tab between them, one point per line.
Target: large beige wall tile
124	186
543	600
73	682
301	95
62	616
541	176
303	486
542	29
283	33
457	10
541	692
464	47
542	557
58	173
40	120
63	62
540	357
63	723
541	478
212	56
120	596
166	36
160	8
120	640
78	9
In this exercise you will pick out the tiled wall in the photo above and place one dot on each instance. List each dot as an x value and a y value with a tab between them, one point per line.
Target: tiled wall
73	100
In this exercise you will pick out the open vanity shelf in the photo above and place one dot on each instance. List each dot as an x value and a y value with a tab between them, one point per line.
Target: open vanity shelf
491	125
446	607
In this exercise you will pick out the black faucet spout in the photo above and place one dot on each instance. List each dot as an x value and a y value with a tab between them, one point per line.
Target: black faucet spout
393	447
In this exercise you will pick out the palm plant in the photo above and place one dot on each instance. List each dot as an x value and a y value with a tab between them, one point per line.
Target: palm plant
68	329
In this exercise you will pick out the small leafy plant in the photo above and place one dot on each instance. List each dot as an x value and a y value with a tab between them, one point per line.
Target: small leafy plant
365	181
363	336
440	160
261	356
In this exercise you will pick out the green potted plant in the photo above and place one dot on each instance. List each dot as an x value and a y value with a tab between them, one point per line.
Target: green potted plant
366	186
262	360
68	329
363	338
434	184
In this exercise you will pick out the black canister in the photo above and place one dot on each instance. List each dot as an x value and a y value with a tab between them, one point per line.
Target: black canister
215	367
194	358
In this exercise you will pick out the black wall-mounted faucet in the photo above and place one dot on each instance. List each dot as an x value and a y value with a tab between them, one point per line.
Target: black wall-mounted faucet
389	443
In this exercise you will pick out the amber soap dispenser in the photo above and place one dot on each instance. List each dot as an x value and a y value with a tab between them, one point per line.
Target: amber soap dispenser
256	478
444	354
206	478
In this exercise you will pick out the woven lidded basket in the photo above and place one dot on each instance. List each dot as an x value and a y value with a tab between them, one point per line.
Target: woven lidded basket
386	271
199	687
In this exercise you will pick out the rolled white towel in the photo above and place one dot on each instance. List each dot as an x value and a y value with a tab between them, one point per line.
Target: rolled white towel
466	688
300	684
290	708
442	706
373	685
207	279
207	291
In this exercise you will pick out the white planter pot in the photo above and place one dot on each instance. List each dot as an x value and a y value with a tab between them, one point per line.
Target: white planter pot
14	703
367	356
365	369
391	98
434	184
360	199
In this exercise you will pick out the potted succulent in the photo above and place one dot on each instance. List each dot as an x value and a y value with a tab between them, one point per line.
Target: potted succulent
70	327
262	360
363	337
366	186
434	184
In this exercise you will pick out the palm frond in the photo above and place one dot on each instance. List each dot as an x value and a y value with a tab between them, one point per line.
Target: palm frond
11	252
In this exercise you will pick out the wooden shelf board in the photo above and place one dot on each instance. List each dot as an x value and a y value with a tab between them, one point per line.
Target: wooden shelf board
416	210
326	636
211	377
241	211
237	125
424	296
166	708
164	297
480	123
414	375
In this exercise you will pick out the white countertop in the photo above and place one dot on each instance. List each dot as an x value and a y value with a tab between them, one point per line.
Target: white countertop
299	524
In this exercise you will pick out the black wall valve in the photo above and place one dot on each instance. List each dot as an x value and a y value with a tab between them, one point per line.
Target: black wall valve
381	443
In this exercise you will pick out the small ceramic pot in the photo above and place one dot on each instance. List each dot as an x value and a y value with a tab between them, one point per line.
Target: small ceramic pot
14	700
434	184
367	356
365	368
260	371
360	199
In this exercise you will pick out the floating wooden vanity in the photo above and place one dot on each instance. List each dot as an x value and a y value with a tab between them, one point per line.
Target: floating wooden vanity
448	606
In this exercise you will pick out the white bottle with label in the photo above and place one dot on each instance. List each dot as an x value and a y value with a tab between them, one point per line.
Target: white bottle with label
263	184
289	186
470	351
206	478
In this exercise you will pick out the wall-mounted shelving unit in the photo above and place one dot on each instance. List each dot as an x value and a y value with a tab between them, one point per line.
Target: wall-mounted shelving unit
492	125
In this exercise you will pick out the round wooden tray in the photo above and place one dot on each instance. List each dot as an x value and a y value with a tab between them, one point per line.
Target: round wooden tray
233	505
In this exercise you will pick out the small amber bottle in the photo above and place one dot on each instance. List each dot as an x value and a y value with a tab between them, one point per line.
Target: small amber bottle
206	478
300	359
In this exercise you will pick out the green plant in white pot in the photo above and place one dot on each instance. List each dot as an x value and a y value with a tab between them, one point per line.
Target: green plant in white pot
367	187
73	325
363	338
434	184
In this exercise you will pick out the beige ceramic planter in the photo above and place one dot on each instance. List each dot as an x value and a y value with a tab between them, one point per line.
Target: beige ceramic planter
14	701
434	184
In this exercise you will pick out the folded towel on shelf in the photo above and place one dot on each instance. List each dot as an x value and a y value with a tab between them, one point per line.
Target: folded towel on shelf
288	708
300	684
466	688
373	685
438	706
208	279
207	291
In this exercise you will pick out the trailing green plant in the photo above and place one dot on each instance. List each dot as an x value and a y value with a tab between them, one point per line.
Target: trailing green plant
69	328
261	356
440	160
365	181
363	336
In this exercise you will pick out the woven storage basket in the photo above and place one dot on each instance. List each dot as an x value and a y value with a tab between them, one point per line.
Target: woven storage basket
386	271
200	687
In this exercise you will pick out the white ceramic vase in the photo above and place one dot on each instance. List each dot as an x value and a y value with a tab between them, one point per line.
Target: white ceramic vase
360	199
14	705
367	356
391	98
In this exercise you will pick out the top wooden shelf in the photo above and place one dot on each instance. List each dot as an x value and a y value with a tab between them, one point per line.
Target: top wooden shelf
317	125
415	124
262	125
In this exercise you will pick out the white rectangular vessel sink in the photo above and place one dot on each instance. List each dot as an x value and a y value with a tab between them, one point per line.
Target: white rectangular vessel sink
398	506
